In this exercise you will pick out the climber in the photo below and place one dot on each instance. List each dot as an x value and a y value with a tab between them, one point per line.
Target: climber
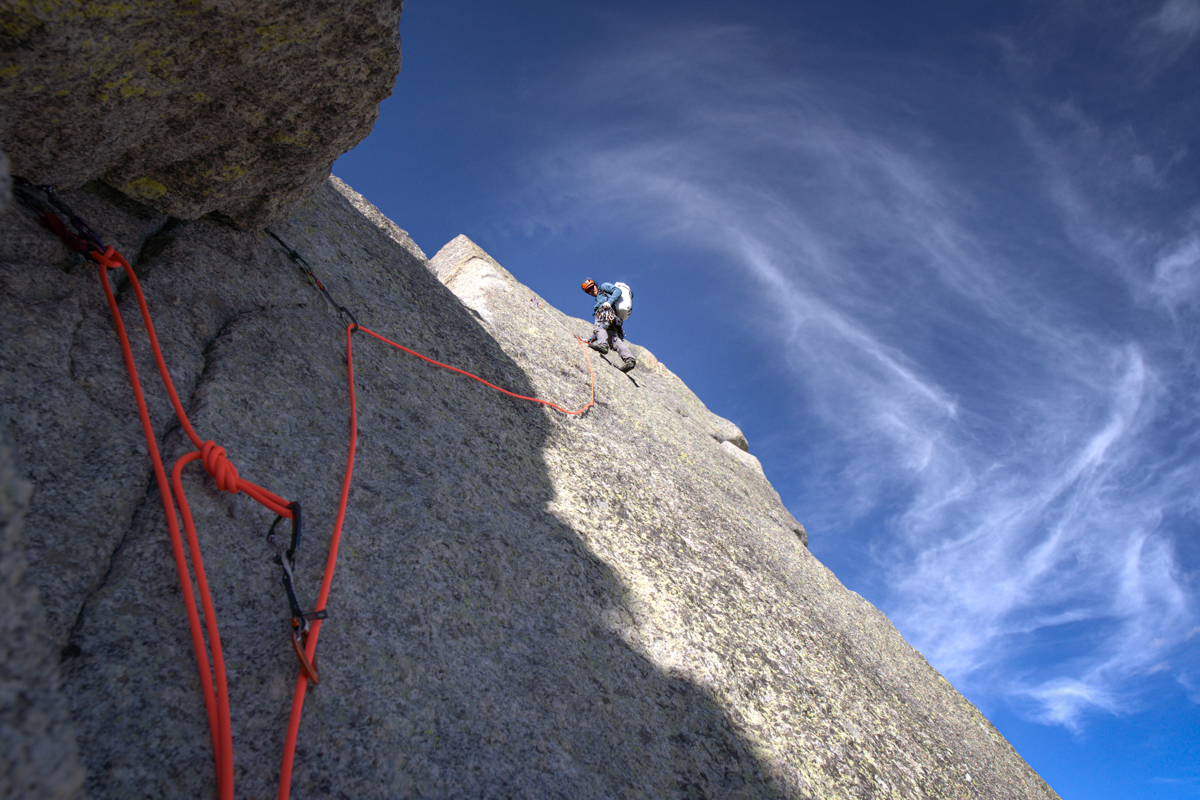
614	301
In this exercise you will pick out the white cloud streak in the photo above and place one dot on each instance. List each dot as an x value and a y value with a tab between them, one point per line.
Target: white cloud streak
1030	543
1178	18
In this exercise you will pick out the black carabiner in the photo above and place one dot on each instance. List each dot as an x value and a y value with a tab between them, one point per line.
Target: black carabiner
286	558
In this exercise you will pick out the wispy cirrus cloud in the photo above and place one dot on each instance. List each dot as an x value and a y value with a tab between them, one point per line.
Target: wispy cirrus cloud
1175	24
1176	279
986	379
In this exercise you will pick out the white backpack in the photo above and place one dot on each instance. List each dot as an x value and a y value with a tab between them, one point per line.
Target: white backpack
624	306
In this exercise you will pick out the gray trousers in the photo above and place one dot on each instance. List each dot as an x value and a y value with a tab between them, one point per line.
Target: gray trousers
610	338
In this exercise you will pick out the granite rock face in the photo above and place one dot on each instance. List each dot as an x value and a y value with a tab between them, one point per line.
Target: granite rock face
193	107
526	604
5	181
37	741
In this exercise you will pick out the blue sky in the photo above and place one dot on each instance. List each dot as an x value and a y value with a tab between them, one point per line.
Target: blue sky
940	261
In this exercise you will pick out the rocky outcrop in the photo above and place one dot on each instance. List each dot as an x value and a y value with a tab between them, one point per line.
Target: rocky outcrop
526	604
193	107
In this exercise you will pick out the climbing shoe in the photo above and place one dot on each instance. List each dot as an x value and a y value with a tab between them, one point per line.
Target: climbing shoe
629	364
599	347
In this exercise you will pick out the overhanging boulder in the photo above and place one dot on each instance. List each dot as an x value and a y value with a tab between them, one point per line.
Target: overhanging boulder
194	107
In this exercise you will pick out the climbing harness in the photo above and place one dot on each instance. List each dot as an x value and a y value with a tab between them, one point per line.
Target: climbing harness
306	626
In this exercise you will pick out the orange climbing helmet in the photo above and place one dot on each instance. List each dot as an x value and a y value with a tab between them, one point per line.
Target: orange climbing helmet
589	286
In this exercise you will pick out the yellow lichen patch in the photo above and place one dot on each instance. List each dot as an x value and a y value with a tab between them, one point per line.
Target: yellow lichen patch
253	117
145	189
62	93
108	10
125	85
199	97
232	172
275	36
11	71
20	18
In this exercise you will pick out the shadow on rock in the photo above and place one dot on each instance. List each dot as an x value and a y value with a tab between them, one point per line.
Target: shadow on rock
475	646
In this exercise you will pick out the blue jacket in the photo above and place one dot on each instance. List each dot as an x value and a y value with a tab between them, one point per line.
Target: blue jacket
608	294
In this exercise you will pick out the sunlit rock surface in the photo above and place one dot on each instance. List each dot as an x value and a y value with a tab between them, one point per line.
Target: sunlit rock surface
526	604
192	107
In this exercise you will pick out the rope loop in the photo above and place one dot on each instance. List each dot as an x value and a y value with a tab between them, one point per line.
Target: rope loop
109	258
221	468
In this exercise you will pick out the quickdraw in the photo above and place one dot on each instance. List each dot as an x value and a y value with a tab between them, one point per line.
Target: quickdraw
305	626
301	625
84	241
346	315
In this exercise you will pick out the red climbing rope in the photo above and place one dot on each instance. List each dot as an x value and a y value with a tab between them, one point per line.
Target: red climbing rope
213	679
216	697
556	407
293	731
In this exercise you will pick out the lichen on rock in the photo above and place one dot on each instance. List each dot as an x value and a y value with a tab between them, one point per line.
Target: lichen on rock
238	108
616	604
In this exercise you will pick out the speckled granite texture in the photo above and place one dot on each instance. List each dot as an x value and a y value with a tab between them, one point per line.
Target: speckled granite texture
5	181
501	625
192	107
38	756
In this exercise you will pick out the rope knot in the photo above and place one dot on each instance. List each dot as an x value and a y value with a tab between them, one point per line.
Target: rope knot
107	258
220	467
